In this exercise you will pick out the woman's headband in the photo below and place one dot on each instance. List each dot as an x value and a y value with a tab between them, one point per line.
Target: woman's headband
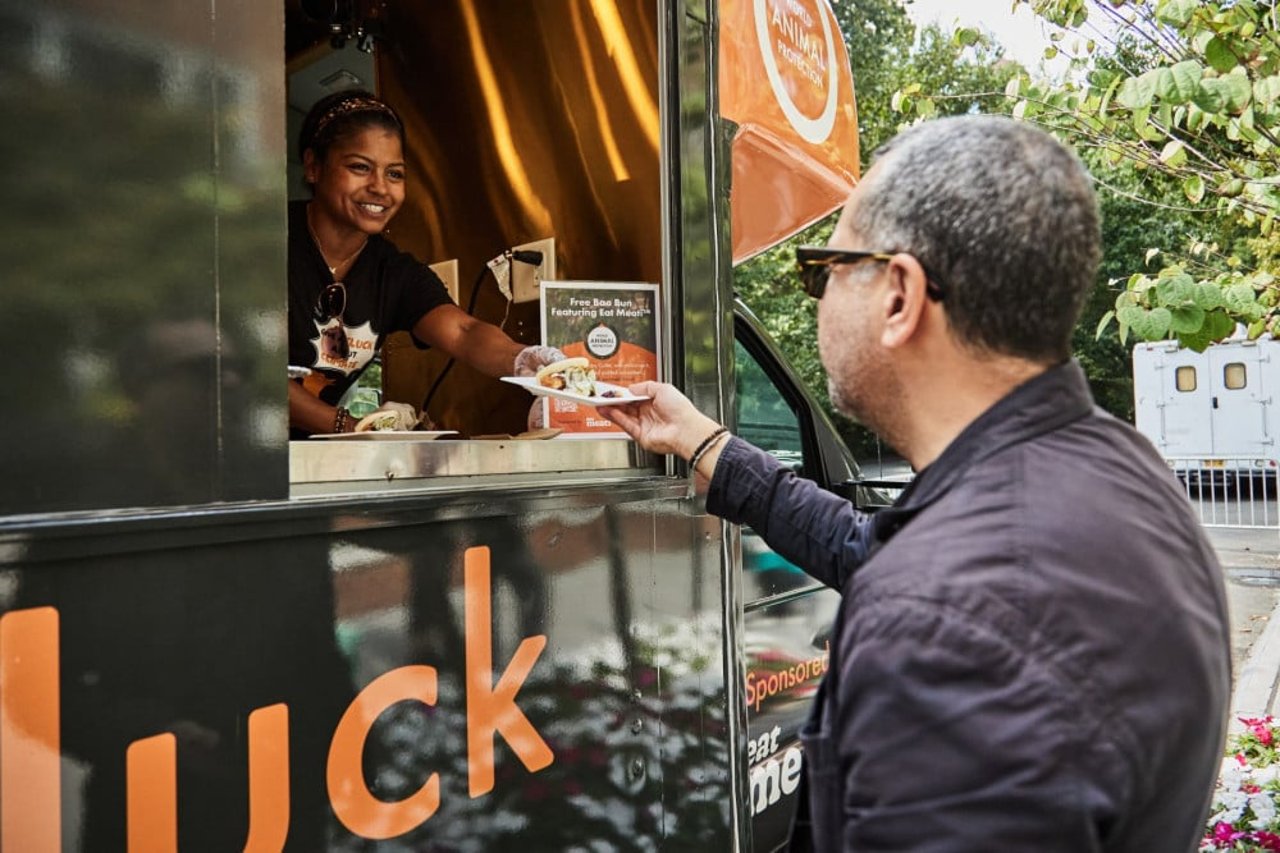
354	105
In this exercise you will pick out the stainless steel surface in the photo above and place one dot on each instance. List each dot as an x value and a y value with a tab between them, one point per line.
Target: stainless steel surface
319	467
705	285
143	252
703	352
670	359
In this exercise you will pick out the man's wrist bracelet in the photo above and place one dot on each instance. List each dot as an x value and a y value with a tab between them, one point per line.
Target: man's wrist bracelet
340	420
706	445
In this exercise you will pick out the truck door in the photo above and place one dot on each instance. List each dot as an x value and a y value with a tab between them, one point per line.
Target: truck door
1239	423
787	614
1186	399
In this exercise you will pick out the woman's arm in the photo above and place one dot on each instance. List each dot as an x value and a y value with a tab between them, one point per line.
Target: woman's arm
482	345
308	412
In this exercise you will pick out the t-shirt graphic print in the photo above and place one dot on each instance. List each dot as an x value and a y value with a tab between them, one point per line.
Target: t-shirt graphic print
361	345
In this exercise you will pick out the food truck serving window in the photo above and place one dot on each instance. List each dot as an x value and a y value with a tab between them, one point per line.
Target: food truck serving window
525	172
152	303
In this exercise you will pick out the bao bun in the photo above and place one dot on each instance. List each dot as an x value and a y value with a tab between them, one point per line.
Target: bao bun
390	416
560	367
377	421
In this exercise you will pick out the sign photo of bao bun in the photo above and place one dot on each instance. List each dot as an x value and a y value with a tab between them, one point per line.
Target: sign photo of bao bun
613	326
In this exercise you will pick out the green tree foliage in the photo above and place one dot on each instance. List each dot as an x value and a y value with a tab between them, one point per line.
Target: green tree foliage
879	36
1187	95
1145	220
1131	228
952	74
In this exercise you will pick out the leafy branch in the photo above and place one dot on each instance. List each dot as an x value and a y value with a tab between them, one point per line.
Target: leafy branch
1188	90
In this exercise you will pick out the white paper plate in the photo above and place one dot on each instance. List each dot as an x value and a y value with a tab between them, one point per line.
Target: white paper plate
389	435
530	384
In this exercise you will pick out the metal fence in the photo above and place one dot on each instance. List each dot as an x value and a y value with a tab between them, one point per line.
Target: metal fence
1230	492
1241	492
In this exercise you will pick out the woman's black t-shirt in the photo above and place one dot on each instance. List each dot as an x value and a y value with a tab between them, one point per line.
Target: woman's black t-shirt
386	291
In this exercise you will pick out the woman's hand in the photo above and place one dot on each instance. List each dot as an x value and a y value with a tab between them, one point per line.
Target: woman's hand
665	423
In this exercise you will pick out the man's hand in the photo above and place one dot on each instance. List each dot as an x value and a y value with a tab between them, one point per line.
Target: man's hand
666	423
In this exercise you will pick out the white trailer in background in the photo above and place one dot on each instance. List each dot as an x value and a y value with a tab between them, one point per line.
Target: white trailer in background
1212	411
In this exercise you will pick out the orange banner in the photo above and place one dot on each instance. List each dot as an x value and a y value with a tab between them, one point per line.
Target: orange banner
785	81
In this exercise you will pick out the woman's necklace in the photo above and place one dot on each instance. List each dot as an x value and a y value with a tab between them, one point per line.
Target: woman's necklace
333	269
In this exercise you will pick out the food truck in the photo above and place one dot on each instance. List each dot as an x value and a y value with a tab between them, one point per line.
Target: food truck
215	638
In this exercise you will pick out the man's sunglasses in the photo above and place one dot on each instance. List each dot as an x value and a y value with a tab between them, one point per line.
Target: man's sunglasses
815	263
333	303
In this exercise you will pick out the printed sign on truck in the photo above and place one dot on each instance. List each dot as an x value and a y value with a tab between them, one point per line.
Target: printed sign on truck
615	327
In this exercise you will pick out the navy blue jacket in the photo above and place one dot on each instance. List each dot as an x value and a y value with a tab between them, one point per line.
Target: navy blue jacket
1032	649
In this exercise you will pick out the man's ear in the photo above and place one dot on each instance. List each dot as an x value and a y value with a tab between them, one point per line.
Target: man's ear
906	300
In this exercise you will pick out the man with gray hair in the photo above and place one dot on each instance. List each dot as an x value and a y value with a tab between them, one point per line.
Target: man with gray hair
1032	650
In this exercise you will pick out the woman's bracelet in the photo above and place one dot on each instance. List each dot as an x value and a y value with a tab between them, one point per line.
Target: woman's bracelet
340	418
707	443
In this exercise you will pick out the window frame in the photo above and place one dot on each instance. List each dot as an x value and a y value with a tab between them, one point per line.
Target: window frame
1226	374
1177	378
771	364
340	468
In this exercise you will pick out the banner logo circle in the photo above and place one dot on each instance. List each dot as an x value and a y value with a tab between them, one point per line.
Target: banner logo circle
815	130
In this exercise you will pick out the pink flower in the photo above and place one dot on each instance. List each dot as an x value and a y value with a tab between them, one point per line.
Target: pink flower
1261	728
1241	760
1224	833
1268	840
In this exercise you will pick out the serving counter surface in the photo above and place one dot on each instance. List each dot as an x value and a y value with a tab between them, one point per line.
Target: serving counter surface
315	466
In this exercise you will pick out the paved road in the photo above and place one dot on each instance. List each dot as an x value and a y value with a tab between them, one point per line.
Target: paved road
1250	558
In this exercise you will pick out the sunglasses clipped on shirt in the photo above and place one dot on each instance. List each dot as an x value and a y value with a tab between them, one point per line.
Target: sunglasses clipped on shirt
331	303
815	263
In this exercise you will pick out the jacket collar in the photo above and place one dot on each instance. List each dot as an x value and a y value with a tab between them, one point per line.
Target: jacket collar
1042	404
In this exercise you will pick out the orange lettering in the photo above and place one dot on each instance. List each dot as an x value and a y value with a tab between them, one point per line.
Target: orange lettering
358	809
151	771
152	780
30	757
268	779
30	721
493	709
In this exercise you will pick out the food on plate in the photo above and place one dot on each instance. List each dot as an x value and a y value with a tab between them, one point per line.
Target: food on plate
389	416
572	374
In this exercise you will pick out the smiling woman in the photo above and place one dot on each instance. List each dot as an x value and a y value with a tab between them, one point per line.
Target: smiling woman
348	285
